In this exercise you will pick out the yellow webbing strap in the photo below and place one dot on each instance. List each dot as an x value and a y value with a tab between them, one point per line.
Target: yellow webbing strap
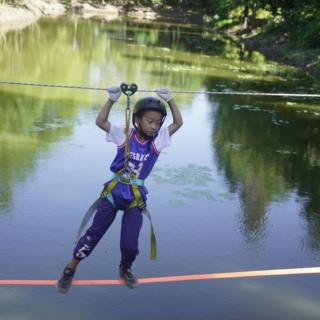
141	204
108	189
137	195
153	253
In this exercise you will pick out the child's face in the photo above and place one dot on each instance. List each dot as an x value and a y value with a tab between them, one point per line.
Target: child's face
150	122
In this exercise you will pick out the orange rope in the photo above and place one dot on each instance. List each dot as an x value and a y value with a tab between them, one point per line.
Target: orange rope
210	276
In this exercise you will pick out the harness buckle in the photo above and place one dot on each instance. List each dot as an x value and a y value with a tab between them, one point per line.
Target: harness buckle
124	179
142	205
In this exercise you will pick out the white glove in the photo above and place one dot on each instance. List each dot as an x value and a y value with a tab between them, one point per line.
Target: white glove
165	94
114	93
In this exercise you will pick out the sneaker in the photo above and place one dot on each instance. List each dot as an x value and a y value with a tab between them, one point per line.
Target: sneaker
64	282
129	279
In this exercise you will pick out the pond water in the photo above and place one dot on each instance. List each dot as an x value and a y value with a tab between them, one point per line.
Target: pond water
237	190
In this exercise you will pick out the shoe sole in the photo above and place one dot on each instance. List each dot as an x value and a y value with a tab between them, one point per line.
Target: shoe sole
62	290
129	285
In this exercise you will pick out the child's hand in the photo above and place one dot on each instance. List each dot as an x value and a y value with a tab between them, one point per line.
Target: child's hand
165	94
114	93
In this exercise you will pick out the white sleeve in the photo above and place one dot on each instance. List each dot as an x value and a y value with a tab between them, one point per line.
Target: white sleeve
163	139
116	135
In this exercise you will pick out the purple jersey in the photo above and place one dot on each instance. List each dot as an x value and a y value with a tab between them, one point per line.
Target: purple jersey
143	155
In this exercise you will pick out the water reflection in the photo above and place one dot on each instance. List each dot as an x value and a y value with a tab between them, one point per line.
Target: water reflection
190	181
266	148
99	53
27	128
266	153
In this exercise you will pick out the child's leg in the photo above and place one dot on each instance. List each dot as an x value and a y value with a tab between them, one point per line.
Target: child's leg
130	229
103	219
101	222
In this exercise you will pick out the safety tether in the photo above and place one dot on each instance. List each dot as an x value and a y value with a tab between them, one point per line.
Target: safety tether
128	90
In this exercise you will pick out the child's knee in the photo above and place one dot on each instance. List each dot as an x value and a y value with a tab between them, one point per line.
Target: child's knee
85	246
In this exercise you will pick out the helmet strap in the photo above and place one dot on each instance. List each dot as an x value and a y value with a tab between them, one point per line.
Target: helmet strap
142	133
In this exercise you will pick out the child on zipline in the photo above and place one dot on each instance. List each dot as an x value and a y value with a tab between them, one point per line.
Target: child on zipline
126	190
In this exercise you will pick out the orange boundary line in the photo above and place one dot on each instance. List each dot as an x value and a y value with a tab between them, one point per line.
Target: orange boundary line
210	276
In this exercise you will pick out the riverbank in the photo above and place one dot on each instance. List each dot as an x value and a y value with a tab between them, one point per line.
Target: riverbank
14	16
31	10
277	47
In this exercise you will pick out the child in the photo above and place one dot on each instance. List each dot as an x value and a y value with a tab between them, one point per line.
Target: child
126	190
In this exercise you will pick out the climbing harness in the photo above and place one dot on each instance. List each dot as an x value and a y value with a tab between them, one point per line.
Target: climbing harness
137	202
225	93
124	176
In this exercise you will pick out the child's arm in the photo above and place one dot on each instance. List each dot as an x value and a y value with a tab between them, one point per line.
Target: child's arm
165	94
103	116
177	118
102	120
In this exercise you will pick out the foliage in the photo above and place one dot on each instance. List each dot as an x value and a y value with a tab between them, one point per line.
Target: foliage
299	20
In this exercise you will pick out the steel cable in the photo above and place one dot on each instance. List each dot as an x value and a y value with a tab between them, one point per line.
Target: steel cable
239	93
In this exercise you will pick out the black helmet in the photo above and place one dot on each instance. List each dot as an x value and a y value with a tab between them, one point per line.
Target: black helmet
146	104
149	103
